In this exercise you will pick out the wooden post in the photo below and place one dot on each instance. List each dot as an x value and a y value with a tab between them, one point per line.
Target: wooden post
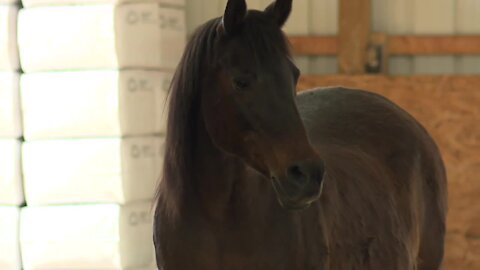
397	45
354	35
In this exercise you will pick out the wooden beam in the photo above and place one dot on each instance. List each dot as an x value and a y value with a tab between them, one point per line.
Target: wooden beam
314	45
354	35
434	45
397	45
449	108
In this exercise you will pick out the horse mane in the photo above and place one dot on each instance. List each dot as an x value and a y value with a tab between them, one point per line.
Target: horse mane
184	101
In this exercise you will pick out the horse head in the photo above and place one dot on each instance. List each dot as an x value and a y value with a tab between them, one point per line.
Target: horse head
248	102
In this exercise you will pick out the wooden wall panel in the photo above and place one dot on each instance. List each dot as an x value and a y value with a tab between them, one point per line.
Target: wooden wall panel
434	17
449	107
468	22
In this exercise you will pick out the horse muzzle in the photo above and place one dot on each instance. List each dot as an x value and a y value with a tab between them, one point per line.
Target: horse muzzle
300	185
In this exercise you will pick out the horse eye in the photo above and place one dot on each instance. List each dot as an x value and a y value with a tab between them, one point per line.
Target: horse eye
241	83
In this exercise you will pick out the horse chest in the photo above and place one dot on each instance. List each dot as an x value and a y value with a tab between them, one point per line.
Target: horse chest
270	247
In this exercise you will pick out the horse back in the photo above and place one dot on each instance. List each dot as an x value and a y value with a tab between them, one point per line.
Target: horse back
384	197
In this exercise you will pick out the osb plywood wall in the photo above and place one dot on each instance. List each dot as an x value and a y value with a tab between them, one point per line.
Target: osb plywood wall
449	107
319	17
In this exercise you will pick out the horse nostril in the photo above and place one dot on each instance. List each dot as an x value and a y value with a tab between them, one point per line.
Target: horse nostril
303	172
296	173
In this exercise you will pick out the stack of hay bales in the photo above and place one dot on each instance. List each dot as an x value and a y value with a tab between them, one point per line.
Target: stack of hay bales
11	193
93	95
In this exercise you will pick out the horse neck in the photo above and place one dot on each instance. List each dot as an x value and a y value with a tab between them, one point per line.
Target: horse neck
223	182
215	173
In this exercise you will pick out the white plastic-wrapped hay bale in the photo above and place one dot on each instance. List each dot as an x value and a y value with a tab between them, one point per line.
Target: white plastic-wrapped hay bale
94	103
91	171
8	2
9	238
10	120
11	192
86	237
36	3
8	37
103	36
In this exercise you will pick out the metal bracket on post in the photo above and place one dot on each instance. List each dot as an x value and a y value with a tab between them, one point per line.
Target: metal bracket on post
377	54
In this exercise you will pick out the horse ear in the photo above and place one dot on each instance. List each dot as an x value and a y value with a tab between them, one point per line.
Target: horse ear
279	11
235	12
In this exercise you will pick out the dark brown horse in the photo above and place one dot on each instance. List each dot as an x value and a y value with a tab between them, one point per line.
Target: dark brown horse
257	177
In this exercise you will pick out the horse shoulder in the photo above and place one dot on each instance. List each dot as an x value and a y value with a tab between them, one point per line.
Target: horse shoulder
364	121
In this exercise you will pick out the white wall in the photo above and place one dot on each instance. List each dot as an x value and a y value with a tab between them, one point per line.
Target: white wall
467	21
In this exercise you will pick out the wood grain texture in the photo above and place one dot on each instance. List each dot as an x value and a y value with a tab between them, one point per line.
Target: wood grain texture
434	45
397	45
449	107
354	35
314	45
